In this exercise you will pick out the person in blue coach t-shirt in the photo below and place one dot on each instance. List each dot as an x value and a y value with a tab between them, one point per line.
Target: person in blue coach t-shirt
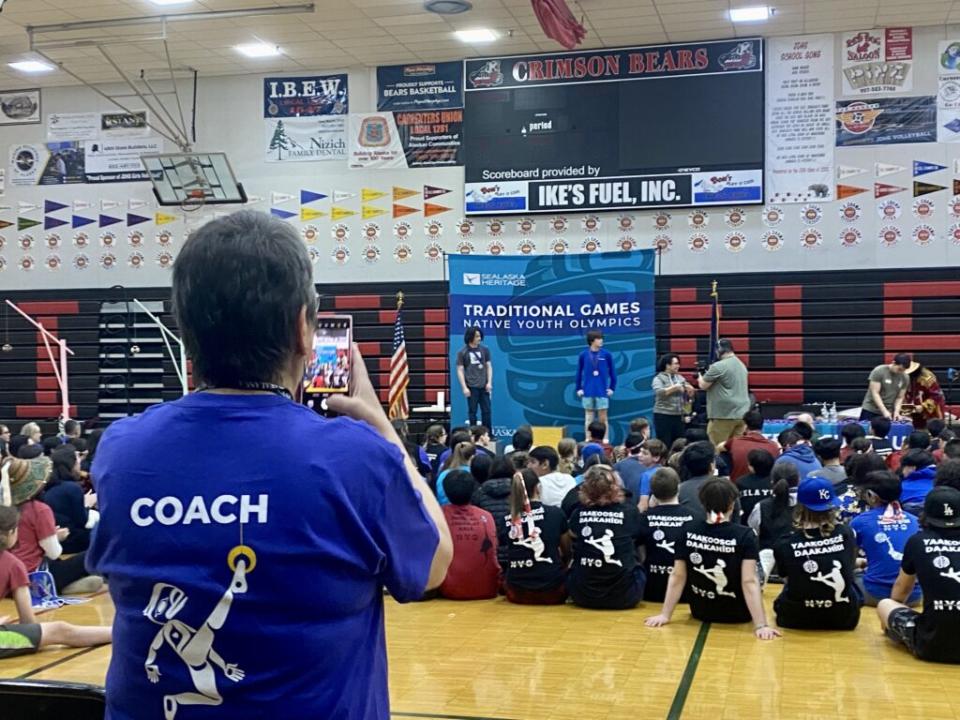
596	380
248	576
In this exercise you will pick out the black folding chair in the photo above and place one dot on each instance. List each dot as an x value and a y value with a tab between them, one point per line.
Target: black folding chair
46	699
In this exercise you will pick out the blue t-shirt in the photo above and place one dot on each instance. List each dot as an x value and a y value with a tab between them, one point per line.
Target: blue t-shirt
332	517
646	478
596	373
882	541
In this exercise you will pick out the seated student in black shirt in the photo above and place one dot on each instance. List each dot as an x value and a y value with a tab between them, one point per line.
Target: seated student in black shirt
879	429
772	519
661	526
605	529
931	556
537	547
817	563
722	561
756	485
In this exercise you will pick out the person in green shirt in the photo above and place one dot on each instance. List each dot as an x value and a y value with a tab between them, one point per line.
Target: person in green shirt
728	397
888	386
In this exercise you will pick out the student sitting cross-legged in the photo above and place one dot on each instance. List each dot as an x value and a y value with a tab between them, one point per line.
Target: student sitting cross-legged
605	529
717	559
661	527
538	545
817	563
882	533
932	556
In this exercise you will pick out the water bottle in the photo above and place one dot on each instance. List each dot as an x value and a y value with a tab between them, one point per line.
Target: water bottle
824	412
833	413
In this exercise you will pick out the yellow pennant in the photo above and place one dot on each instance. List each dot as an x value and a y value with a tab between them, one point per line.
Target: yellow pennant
307	213
368	195
338	213
369	211
400	193
164	219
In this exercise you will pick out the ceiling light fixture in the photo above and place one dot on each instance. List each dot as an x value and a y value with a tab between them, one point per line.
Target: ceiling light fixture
476	35
756	13
31	66
447	7
170	2
258	50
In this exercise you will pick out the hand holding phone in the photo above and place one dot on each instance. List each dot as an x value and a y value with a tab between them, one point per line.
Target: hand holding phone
329	371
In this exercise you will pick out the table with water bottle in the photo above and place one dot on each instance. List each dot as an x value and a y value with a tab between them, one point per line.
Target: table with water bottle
829	423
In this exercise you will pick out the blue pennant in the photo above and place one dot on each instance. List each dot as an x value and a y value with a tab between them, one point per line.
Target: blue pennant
282	214
107	220
79	221
50	206
136	219
51	222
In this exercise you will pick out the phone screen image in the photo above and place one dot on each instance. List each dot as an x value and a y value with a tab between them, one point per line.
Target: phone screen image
328	371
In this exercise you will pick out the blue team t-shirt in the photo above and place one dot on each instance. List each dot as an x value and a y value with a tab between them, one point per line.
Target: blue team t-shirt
882	541
329	511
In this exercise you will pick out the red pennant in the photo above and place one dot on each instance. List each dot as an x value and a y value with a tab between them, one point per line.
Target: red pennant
882	190
401	210
429	209
845	191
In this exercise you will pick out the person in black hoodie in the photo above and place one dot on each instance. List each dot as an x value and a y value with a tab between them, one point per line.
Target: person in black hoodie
65	496
494	497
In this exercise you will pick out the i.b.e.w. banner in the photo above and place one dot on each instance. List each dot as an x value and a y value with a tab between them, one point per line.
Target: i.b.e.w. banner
535	314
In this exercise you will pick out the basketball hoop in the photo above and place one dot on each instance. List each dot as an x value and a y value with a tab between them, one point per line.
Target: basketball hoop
193	201
192	180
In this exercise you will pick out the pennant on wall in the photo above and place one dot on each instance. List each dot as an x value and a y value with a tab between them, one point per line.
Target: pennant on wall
51	206
923	168
884	169
845	191
51	222
163	218
922	188
882	190
369	195
79	221
845	171
307	214
430	209
27	207
26	223
109	205
338	213
309	196
429	191
282	214
81	205
135	204
400	193
340	196
106	220
369	211
5	224
278	198
402	210
136	219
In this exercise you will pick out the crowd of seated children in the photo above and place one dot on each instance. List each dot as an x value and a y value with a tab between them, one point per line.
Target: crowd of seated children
634	464
458	459
543	460
772	519
827	450
653	456
27	635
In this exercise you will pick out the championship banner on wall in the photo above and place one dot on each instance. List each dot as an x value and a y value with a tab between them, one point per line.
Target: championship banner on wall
575	131
424	86
305	118
800	136
535	313
877	61
406	139
887	121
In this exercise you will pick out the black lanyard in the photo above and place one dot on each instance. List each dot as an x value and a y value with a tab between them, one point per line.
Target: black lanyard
256	386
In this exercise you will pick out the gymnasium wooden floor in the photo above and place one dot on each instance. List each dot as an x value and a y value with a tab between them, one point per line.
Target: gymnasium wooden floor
490	660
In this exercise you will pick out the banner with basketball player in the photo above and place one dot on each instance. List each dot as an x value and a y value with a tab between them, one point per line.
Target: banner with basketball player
535	313
428	138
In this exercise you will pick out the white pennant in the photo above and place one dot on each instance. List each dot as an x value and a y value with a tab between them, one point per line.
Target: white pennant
341	195
79	205
134	204
254	199
278	198
109	204
845	171
883	169
27	207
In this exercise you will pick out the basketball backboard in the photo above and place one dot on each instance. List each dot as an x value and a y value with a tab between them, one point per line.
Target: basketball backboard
190	180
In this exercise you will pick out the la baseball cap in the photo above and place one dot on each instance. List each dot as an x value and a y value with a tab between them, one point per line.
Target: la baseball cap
942	507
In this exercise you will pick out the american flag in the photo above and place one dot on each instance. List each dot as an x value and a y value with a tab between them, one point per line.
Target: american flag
714	323
399	373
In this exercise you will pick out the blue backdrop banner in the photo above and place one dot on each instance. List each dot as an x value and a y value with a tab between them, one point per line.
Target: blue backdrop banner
535	314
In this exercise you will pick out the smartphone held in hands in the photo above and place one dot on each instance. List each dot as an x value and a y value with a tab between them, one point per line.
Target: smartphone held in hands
328	372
